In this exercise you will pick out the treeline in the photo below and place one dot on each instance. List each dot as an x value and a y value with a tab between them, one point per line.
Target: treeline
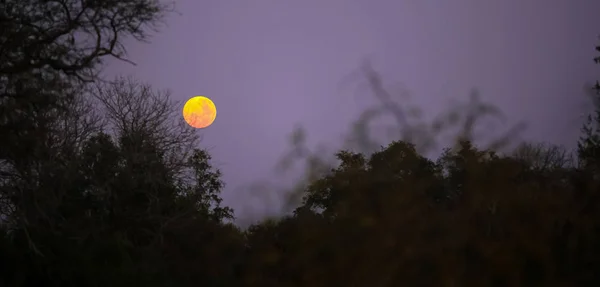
102	184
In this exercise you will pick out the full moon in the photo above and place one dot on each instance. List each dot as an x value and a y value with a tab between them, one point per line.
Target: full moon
199	112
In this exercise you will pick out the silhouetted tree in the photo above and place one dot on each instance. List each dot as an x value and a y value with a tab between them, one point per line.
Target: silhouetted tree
121	203
70	36
589	144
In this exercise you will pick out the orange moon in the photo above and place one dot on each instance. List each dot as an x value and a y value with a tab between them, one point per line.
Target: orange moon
199	112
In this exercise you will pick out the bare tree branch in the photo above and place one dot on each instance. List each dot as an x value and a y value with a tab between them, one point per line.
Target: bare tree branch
71	36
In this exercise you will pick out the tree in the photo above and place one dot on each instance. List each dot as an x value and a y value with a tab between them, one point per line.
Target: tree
114	210
395	218
589	143
139	115
44	45
70	36
103	196
542	156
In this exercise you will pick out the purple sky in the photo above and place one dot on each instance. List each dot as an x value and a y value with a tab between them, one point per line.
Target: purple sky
271	64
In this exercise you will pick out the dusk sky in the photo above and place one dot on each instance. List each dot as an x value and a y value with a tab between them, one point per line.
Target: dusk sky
272	64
